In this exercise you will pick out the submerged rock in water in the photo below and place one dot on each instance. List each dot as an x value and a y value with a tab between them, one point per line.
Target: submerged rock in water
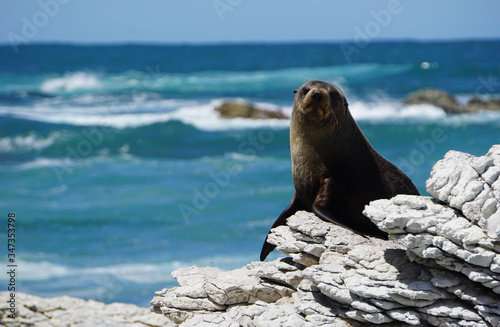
440	268
239	109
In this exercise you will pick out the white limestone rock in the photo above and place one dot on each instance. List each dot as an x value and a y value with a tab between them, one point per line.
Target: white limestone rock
470	184
204	290
68	311
440	234
357	281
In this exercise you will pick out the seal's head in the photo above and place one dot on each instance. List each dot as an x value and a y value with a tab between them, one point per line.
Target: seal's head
320	101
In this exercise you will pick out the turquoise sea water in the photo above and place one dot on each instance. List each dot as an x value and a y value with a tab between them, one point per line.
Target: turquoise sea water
119	171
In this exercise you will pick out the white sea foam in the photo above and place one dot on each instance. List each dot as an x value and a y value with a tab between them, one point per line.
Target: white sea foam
62	165
378	111
36	271
201	114
204	117
141	273
42	162
116	121
27	143
382	111
70	82
212	81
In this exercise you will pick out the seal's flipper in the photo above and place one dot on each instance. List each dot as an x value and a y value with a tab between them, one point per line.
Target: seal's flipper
328	205
294	206
322	206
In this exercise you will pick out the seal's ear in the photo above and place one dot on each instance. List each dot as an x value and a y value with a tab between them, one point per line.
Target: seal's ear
295	91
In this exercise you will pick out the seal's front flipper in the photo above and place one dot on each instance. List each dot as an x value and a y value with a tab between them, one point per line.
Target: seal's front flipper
324	204
294	206
331	205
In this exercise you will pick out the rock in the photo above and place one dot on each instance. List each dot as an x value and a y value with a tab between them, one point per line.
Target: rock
493	104
67	311
449	104
479	104
239	109
440	268
476	104
444	237
471	185
204	290
437	98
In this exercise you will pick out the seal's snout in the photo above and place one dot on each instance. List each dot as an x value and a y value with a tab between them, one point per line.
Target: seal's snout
317	94
312	102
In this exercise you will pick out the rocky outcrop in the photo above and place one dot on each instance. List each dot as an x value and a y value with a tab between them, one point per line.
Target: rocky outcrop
240	109
448	103
472	185
437	98
441	266
69	311
479	104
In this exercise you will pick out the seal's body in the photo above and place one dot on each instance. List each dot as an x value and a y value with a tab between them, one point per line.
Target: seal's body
336	172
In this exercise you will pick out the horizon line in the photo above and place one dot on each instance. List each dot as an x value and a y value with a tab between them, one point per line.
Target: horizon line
244	42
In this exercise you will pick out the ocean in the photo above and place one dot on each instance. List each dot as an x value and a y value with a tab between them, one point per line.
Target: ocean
119	170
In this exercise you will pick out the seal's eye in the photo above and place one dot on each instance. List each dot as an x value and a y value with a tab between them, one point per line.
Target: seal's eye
305	90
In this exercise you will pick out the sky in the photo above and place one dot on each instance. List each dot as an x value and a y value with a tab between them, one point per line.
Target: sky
220	21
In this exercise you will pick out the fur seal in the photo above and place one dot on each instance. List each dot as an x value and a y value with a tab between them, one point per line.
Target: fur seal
336	172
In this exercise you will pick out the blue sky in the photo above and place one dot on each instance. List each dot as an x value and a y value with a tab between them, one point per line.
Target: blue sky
208	21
